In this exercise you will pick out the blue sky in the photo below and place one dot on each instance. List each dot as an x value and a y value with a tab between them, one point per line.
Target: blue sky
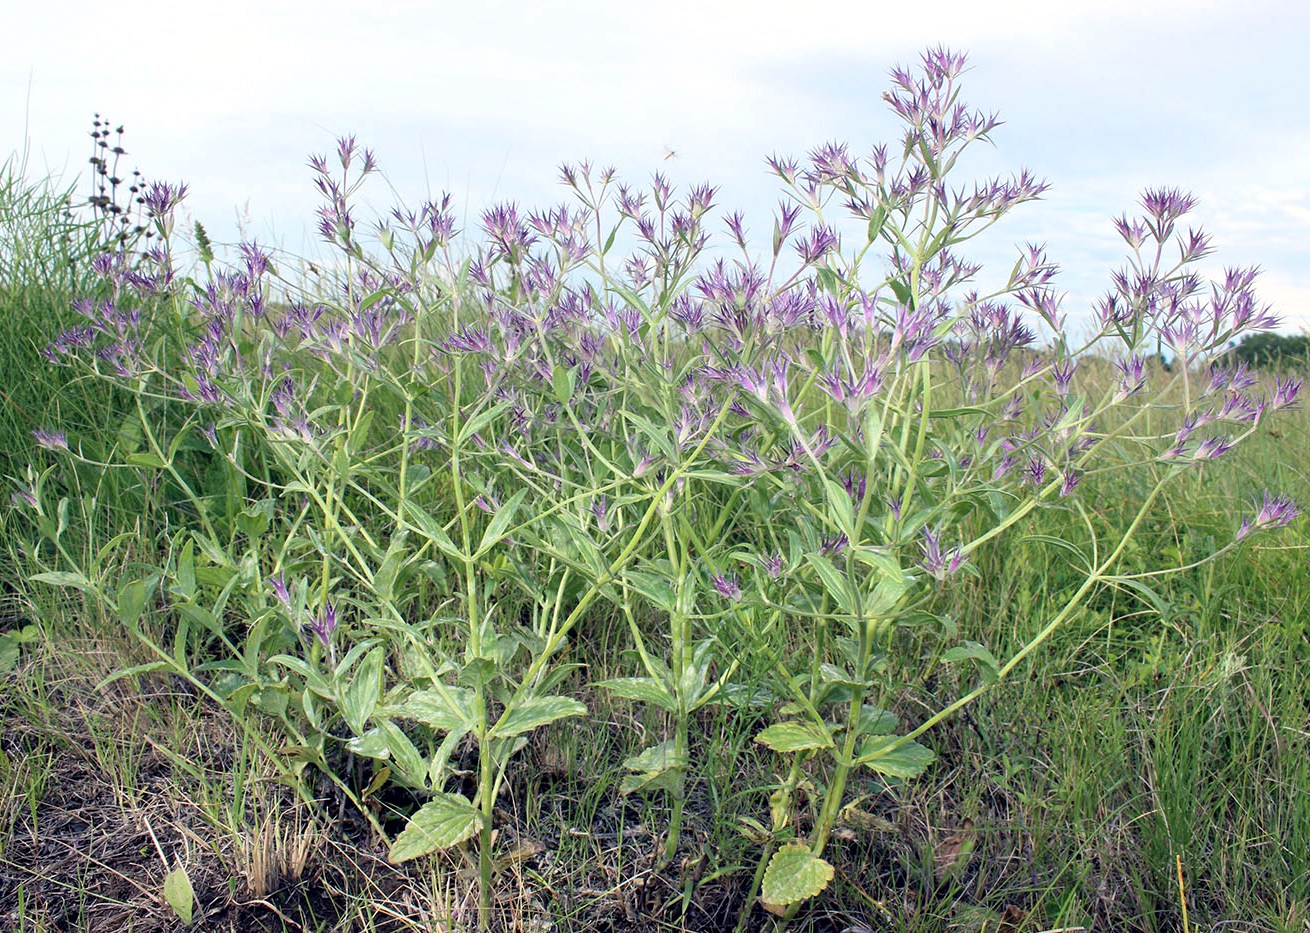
485	100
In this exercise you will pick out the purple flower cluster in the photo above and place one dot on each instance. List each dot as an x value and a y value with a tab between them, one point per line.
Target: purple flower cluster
1275	511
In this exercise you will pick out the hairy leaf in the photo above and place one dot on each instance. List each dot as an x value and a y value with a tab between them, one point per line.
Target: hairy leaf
794	874
444	821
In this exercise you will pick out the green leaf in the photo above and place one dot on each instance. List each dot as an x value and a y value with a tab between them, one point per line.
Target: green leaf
562	381
64	578
480	421
648	781
907	759
656	768
959	412
534	712
446	710
212	551
131	601
901	291
186	571
657	759
254	520
360	698
372	744
660	437
500	522
444	821
833	581
384	580
980	655
180	896
877	721
876	220
406	757
194	612
145	459
654	586
794	736
435	533
794	874
10	644
272	701
886	596
1064	545
478	672
840	509
644	689
609	240
359	433
437	768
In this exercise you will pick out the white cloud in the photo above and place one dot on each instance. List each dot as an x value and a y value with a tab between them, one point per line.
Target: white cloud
484	99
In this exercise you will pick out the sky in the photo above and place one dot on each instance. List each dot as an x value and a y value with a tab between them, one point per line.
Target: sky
485	99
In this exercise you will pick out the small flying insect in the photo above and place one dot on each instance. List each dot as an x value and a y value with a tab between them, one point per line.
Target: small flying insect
670	153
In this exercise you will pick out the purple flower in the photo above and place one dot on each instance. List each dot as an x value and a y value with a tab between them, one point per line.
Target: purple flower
1063	375
855	483
1071	480
279	588
23	497
469	340
1211	448
786	169
324	624
932	559
1132	376
161	199
1285	392
772	565
1165	205
832	545
50	440
727	586
1275	512
599	509
779	371
821	241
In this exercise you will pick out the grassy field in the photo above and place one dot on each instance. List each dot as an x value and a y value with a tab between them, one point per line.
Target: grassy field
1148	769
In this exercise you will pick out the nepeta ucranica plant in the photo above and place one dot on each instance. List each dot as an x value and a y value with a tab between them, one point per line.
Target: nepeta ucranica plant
404	491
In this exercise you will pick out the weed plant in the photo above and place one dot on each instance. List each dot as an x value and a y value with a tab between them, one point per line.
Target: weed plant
826	507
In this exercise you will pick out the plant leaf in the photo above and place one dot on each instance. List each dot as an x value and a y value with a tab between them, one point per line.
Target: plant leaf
840	509
444	821
654	586
131	601
178	893
64	578
657	759
644	689
794	874
534	712
435	533
360	698
909	759
447	710
500	523
832	581
480	421
794	736
980	655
